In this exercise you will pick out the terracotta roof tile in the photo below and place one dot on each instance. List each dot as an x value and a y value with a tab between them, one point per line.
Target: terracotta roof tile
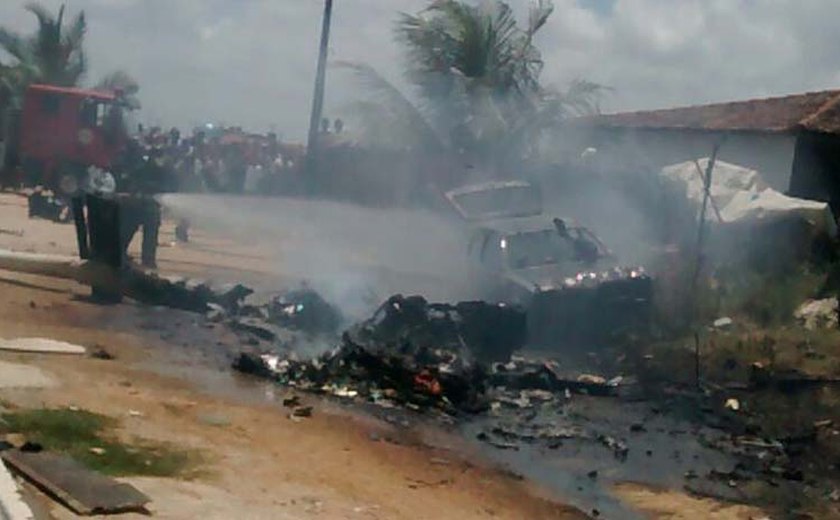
817	111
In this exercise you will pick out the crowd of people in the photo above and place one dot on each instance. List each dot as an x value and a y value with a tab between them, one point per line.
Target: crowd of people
219	160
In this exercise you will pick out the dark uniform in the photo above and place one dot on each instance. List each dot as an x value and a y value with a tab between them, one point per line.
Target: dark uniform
105	231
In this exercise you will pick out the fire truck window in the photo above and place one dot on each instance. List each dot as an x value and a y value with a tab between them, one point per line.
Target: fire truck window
100	114
92	114
87	114
50	104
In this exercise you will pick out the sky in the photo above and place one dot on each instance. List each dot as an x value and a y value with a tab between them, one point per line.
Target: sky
252	62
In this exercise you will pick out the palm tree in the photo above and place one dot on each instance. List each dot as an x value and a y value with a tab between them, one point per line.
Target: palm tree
455	48
53	55
477	74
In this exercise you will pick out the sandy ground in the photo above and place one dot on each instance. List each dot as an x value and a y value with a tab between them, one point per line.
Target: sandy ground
258	463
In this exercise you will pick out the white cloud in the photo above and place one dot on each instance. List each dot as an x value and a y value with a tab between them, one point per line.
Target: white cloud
251	62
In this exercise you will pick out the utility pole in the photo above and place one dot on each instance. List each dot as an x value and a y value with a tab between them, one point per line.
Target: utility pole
318	97
698	265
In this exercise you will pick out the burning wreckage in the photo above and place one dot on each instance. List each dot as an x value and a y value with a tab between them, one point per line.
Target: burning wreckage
548	283
410	352
425	355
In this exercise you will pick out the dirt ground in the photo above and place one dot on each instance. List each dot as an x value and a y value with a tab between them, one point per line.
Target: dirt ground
258	463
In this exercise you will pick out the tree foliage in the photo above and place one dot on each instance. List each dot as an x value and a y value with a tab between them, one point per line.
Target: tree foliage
54	55
476	72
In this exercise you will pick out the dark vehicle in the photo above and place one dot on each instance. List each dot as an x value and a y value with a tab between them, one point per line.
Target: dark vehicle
571	285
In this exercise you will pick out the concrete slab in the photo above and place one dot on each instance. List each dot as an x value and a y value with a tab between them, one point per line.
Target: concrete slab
82	490
18	375
40	346
12	506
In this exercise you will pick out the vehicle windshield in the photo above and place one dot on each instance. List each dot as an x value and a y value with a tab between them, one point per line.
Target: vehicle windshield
548	247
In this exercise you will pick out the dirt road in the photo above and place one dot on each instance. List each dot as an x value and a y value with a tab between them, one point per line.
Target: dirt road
257	462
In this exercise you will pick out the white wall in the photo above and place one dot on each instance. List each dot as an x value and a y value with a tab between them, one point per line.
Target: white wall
772	154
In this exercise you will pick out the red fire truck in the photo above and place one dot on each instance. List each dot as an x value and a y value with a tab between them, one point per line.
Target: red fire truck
59	133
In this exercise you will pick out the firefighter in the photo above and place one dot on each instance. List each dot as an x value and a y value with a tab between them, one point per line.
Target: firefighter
140	210
138	207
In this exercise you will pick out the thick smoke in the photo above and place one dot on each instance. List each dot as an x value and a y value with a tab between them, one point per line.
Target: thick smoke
355	256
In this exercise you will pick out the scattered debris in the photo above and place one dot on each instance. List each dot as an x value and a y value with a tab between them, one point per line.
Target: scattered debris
302	411
215	313
291	402
304	310
722	323
619	448
99	352
522	374
732	404
256	327
16	440
84	491
254	365
97	451
818	314
591	379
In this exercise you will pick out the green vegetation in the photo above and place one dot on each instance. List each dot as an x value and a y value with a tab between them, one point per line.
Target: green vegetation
772	300
54	55
81	434
477	73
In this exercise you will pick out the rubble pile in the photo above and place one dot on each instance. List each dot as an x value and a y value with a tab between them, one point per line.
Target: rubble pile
409	352
292	321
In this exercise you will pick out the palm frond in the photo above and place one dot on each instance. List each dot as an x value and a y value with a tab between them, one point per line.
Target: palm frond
538	15
45	18
14	44
391	97
583	97
75	34
73	70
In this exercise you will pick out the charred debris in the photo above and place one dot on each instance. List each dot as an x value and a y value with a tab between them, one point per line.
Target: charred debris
448	357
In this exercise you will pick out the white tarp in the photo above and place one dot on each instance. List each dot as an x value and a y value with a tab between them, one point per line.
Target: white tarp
739	194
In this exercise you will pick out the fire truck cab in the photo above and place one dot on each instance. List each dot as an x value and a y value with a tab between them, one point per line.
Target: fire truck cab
60	133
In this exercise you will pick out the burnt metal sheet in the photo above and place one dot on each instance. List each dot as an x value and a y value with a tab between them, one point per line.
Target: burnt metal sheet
82	490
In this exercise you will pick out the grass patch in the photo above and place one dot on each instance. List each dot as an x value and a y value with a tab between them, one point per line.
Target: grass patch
769	300
77	432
